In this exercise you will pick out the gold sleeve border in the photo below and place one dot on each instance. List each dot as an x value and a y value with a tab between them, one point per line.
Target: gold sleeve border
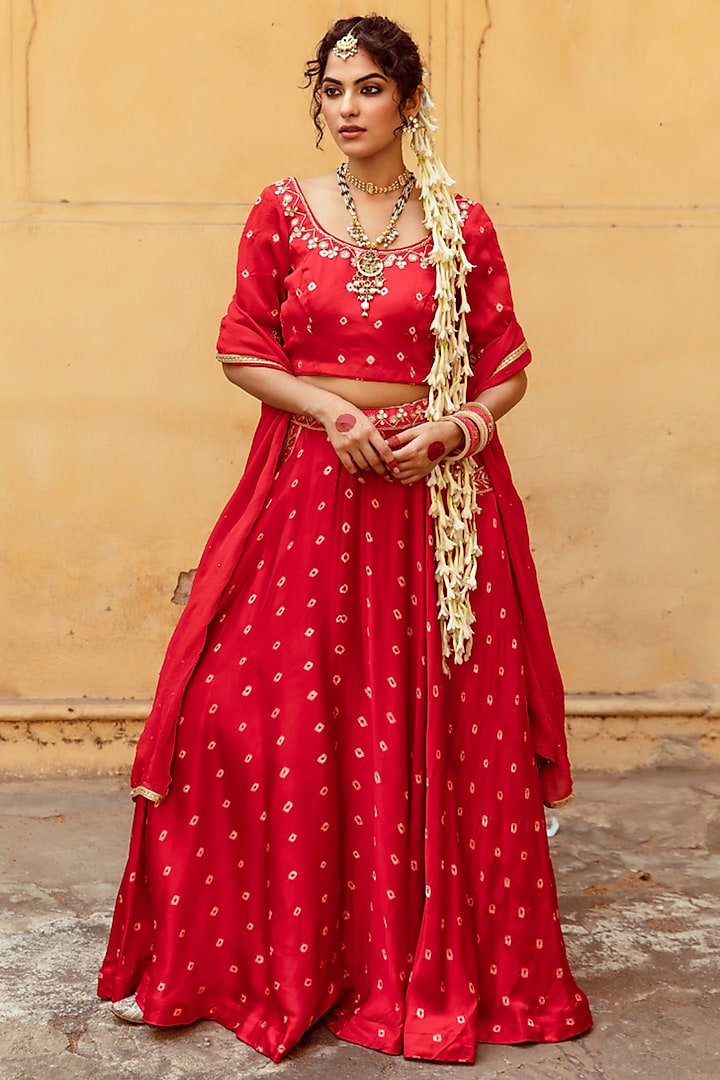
249	361
511	358
146	793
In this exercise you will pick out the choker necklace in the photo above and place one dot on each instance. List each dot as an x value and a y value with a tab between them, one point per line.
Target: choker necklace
369	279
375	189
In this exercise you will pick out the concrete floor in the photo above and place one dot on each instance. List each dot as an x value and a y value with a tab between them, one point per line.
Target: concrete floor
639	876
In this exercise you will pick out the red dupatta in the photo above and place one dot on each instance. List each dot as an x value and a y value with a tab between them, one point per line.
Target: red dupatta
249	332
151	770
502	358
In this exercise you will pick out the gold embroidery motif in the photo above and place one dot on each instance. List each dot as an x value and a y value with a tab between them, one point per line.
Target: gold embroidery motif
305	228
481	479
249	361
288	446
511	357
393	418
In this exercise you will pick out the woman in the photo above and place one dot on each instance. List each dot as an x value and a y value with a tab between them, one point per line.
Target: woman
340	787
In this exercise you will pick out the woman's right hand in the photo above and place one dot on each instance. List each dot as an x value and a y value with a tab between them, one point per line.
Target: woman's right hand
356	441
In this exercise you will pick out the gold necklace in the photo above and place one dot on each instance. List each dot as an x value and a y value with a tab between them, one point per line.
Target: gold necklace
374	189
369	279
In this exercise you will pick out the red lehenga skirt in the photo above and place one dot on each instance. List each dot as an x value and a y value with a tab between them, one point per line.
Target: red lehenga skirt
350	834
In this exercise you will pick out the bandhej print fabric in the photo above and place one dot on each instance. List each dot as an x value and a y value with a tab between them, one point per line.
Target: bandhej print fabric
343	830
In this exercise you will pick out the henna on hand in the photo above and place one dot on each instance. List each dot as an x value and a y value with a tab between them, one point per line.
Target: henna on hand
435	450
345	422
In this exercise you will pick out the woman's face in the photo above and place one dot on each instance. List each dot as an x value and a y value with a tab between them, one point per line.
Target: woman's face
360	105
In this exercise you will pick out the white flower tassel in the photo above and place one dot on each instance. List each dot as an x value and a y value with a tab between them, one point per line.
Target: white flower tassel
453	503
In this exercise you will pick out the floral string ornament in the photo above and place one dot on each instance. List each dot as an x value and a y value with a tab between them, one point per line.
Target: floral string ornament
453	502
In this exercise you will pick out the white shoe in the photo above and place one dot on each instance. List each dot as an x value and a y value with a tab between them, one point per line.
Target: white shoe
128	1009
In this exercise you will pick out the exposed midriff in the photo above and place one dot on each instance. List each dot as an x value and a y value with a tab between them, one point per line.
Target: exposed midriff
368	394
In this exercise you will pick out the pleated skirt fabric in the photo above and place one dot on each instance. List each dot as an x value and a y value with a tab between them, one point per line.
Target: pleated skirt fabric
350	834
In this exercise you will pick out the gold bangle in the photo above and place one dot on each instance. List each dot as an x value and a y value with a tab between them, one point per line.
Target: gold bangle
462	451
481	427
479	408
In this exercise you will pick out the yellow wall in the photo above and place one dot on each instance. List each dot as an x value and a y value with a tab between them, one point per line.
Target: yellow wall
134	137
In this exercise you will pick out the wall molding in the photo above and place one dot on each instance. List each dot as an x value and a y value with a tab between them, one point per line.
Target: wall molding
91	736
229	215
658	703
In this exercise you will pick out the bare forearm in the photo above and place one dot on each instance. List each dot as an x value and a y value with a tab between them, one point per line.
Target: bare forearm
282	390
356	441
501	399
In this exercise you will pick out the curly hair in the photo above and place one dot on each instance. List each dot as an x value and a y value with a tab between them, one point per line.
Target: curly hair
391	47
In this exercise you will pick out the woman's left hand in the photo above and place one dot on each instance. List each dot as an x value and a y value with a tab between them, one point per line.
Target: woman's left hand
419	449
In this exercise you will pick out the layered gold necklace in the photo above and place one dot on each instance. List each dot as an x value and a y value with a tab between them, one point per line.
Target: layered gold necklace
375	189
369	279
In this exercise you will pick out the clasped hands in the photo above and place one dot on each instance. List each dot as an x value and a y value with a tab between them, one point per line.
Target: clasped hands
405	456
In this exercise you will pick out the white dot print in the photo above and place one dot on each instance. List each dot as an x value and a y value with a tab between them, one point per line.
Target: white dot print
345	828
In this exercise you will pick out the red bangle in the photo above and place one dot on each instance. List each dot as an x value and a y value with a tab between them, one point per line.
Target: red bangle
480	424
472	436
479	409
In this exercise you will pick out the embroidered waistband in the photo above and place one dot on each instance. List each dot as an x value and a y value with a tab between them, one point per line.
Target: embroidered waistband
390	418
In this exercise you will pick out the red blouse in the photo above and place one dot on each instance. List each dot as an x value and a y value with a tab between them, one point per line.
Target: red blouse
292	290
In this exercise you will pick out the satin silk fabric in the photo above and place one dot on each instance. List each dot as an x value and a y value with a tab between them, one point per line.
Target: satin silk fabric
292	290
335	814
350	833
253	327
152	766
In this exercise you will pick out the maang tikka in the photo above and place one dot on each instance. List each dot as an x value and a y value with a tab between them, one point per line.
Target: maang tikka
346	46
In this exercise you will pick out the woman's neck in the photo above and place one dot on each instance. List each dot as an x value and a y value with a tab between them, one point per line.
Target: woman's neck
380	170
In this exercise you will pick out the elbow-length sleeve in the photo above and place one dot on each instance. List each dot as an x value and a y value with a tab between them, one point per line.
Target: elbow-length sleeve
498	348
250	332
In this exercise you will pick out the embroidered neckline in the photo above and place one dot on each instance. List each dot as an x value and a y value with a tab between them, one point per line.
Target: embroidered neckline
426	242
